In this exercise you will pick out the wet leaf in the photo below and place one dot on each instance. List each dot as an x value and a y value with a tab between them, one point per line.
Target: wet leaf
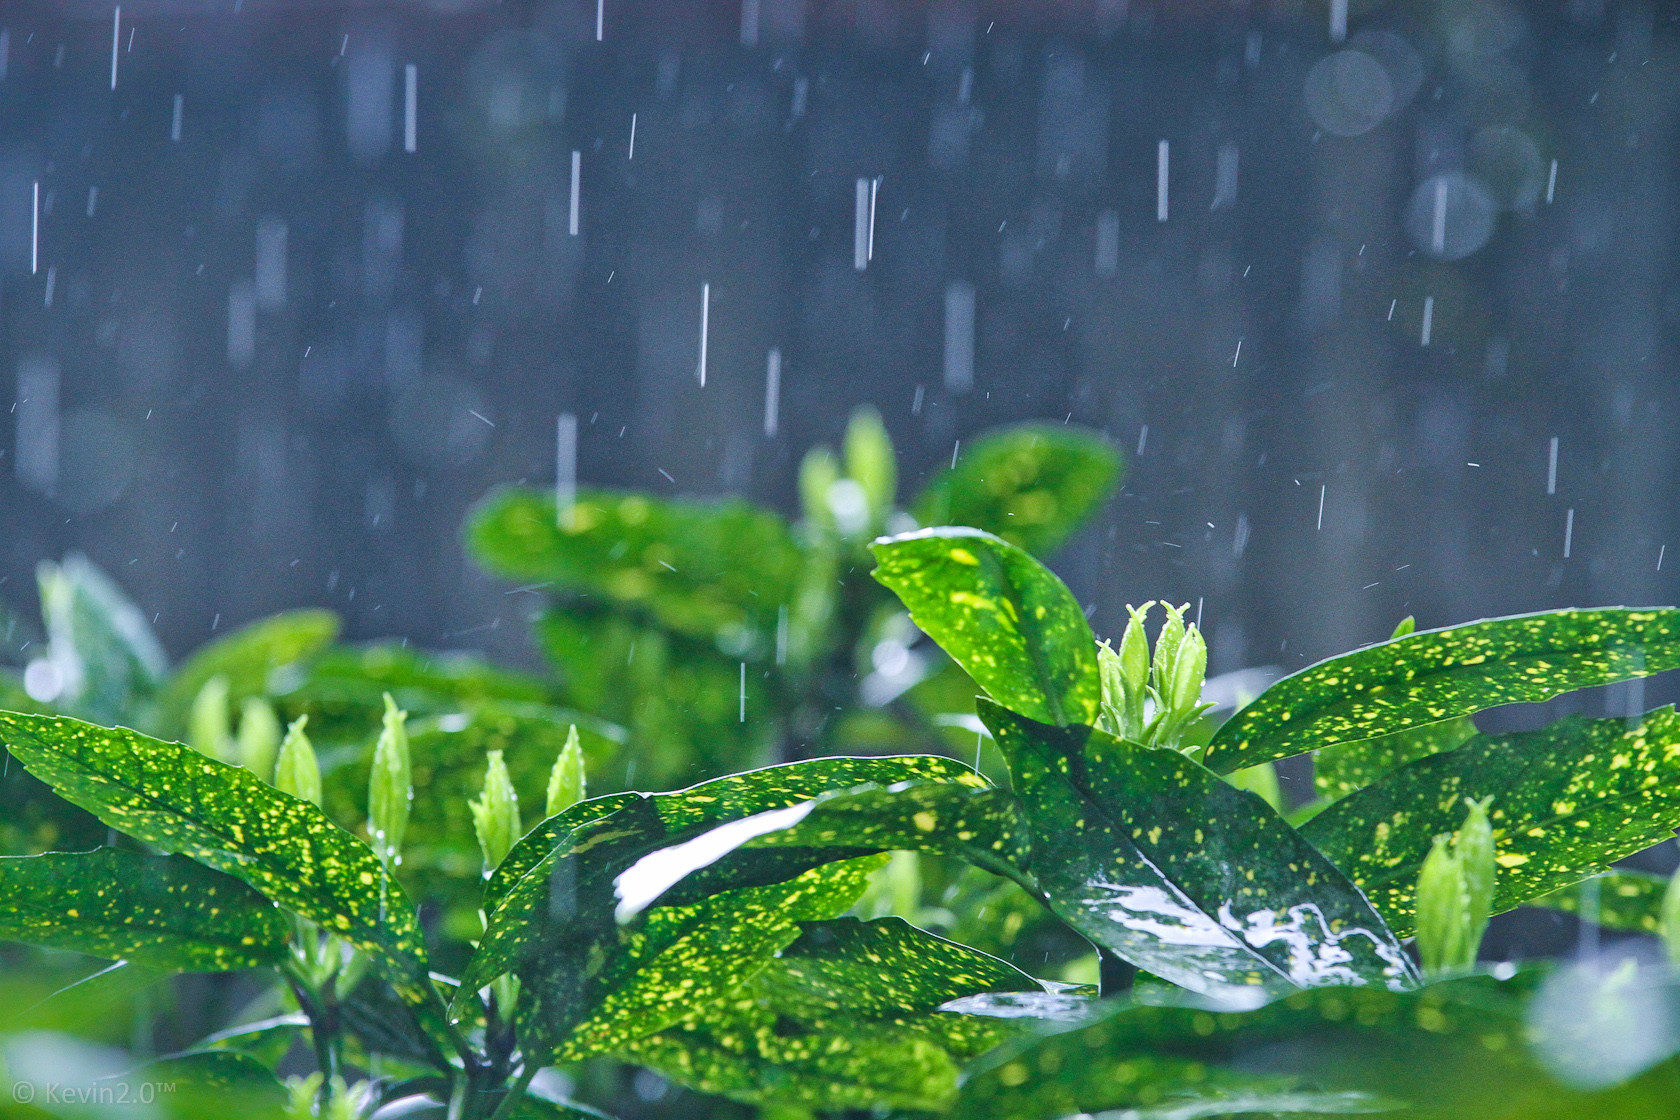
714	570
1622	899
1452	1051
265	657
1151	855
226	818
1001	615
161	911
1568	800
1341	769
1032	484
594	995
847	1016
1438	675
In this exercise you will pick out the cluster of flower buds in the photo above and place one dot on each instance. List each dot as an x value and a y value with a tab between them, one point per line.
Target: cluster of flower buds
1153	700
1455	895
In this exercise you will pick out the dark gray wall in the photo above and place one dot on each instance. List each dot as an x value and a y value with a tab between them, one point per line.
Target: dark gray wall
329	456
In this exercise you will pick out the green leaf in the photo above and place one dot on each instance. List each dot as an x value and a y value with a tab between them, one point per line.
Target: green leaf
847	1016
1345	767
266	657
105	653
1438	675
713	570
1630	901
577	1003
1156	858
1001	615
1568	801
1457	1050
162	911
1032	484
689	812
225	817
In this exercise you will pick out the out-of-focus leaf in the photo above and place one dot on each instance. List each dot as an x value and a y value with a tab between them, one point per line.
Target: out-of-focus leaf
101	646
164	911
265	657
1032	484
712	570
1438	675
225	817
1153	856
847	1016
1451	1051
1568	801
677	698
1001	615
1346	767
206	1085
1630	901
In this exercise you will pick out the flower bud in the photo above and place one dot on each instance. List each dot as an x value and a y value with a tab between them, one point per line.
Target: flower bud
1134	670
1166	650
390	785
566	782
1113	705
870	462
1184	691
259	736
1407	625
495	813
1455	895
818	472
297	772
1443	910
207	724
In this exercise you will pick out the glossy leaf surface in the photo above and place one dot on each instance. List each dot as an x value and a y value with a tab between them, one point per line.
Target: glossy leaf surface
1438	675
225	817
1568	800
1452	1051
1156	858
1032	484
162	911
847	1016
1001	615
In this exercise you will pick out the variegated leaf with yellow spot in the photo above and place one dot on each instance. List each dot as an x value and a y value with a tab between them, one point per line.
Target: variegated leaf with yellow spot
1154	857
1437	675
1568	800
226	818
161	911
846	1017
1004	617
1622	899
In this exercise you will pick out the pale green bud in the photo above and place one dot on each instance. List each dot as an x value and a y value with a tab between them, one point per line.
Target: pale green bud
566	782
870	462
259	736
297	772
1113	706
391	784
818	472
207	724
1405	626
1455	895
1134	651
1125	676
1166	650
1184	691
1670	924
1474	847
1443	912
495	813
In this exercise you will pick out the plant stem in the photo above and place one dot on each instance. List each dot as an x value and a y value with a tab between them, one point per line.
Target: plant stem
515	1094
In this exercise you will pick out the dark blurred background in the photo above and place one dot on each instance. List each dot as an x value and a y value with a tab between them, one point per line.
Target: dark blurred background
267	355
